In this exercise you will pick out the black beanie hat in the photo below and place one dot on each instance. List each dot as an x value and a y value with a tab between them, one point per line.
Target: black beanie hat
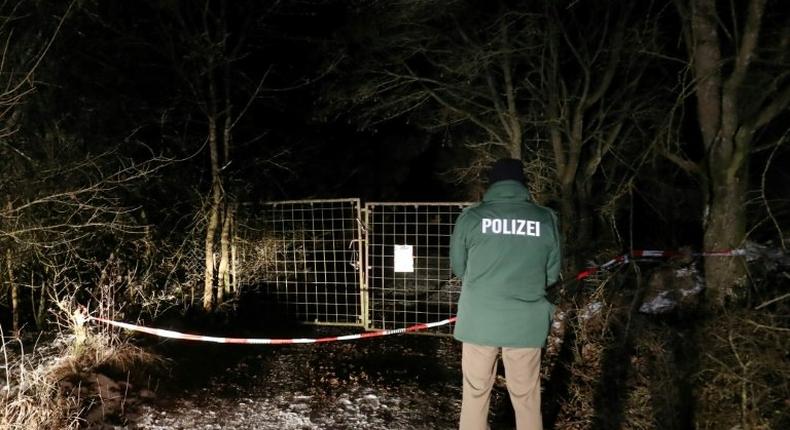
506	168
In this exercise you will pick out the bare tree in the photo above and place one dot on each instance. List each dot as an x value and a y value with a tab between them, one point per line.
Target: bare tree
592	104
17	71
204	53
62	206
70	212
440	72
558	85
735	101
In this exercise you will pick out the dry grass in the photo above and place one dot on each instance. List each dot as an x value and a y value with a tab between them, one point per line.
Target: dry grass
39	393
31	397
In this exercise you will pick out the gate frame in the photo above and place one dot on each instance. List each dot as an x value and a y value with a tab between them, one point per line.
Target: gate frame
361	244
360	248
364	286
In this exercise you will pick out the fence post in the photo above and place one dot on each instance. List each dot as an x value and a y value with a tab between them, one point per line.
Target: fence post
362	234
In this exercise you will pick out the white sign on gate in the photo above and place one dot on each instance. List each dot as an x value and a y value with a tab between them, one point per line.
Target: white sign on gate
404	258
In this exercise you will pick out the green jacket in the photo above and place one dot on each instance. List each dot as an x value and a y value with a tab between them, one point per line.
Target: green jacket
506	250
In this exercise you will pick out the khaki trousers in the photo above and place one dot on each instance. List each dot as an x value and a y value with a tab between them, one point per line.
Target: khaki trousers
522	371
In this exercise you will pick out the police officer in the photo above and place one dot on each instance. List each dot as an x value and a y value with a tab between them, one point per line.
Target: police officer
506	250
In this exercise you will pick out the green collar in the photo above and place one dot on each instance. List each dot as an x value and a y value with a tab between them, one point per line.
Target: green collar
507	190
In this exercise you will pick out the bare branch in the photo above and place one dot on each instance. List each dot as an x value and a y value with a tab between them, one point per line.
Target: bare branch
706	59
471	117
746	52
684	163
779	143
515	127
28	77
780	102
616	47
748	46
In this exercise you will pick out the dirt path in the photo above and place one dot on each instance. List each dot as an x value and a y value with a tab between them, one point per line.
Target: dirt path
398	382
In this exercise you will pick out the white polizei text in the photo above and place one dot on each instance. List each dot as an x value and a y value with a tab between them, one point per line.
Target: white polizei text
515	227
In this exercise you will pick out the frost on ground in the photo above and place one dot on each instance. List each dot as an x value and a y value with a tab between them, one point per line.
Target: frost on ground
403	382
283	412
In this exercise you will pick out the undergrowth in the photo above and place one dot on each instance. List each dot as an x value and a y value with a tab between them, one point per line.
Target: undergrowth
621	369
50	386
744	376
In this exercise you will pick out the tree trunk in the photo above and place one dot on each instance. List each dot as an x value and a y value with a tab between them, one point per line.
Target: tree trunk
234	261
726	139
584	217
213	216
223	274
568	229
12	284
211	231
725	224
41	311
725	230
514	148
223	277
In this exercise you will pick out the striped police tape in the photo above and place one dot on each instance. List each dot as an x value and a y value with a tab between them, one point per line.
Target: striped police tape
171	334
652	253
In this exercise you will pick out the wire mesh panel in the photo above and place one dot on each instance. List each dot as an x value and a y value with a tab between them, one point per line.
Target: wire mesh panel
409	280
313	260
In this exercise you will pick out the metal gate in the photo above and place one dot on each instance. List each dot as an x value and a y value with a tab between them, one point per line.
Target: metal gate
311	258
383	266
407	266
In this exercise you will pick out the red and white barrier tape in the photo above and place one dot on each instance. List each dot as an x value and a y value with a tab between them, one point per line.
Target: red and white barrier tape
617	261
658	253
653	253
170	334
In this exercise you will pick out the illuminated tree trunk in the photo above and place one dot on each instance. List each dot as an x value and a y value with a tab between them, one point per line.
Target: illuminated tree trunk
40	311
234	259
220	216
214	214
14	286
223	275
211	230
